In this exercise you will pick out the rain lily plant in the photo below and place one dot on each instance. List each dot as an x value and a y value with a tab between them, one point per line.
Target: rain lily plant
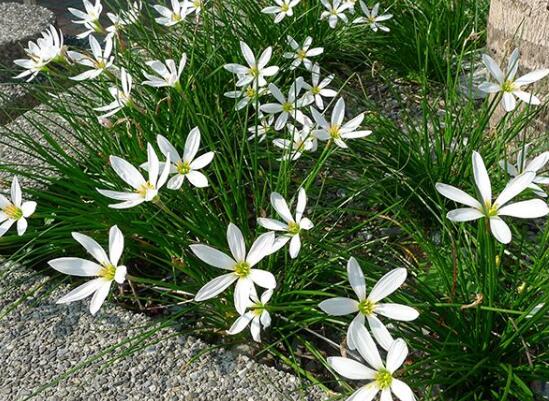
287	106
335	11
256	317
380	376
122	98
15	211
100	62
185	166
336	131
302	141
143	190
368	305
301	54
508	85
240	266
257	69
523	164
173	16
261	130
105	269
49	48
168	74
282	9
318	89
291	227
494	210
372	18
89	18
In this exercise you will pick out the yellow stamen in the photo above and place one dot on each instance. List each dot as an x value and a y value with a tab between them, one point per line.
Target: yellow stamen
183	167
366	307
242	269
334	132
143	189
287	107
293	228
383	379
13	212
301	54
107	272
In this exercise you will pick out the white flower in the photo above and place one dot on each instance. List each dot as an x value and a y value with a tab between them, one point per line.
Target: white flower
122	98
381	377
317	90
89	18
493	210
373	18
283	9
185	166
301	54
287	106
49	48
508	85
100	61
335	11
534	166
256	316
247	96
240	266
351	5
302	141
195	6
291	227
368	306
335	130
125	18
260	131
15	210
173	16
106	271
257	69
168	73
144	190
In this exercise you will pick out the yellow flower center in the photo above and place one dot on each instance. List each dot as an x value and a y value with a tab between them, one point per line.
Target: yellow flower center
284	8
142	190
176	17
13	212
301	54
287	107
107	272
491	210
250	92
315	90
293	228
508	86
100	64
334	132
242	269
197	3
383	379
183	167
366	307
371	19
254	71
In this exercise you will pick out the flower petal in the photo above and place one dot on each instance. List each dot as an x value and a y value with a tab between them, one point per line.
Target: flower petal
339	306
82	291
242	292
481	178
215	287
99	296
396	355
295	246
241	323
93	248
281	207
500	230
530	209
127	172
116	245
260	248
236	242
213	257
356	278
402	391
388	284
263	278
75	267
380	332
457	195
350	368
514	187
367	347
464	214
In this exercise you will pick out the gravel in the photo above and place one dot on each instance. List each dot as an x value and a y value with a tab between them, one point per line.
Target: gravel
41	341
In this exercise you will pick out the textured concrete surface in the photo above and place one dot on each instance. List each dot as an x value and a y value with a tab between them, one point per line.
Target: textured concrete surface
40	342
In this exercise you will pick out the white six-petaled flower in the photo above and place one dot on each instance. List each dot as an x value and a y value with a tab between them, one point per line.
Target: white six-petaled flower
144	190
335	11
240	266
122	98
257	69
301	53
185	166
335	130
372	18
256	316
49	48
261	130
283	9
534	165
287	106
173	16
100	60
168	74
302	141
317	89
369	306
532	208
291	227
508	85
105	271
247	96
15	211
89	18
381	377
